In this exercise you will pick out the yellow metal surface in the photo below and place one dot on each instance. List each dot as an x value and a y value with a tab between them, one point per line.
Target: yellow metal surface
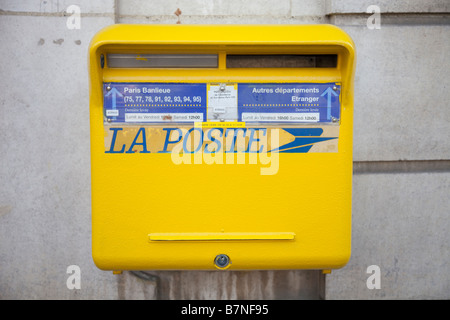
142	203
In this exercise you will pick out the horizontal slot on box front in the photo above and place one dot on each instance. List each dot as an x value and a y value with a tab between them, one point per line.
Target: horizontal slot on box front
162	60
282	61
229	236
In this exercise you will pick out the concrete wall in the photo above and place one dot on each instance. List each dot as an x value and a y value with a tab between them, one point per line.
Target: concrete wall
402	182
401	151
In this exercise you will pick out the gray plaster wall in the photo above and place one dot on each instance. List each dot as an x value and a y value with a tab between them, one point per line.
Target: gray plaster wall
401	184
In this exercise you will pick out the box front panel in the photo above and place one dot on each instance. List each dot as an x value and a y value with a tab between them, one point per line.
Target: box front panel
225	161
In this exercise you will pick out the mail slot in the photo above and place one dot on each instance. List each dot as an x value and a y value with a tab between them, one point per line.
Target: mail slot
221	147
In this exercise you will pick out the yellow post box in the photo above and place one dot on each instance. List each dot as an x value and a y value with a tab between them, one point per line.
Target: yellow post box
221	147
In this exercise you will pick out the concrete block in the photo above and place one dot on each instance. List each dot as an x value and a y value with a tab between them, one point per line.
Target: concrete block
45	204
309	8
204	8
400	223
388	6
230	285
55	6
211	19
401	102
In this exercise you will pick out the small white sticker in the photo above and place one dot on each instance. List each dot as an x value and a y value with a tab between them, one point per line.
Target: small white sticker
112	113
222	102
163	117
280	117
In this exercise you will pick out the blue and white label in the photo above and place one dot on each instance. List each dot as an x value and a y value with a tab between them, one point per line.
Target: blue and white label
243	102
292	102
154	102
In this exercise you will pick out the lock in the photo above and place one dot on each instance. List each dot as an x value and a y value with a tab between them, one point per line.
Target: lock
222	261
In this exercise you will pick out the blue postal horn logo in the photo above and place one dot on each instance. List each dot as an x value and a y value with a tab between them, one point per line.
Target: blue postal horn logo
305	138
